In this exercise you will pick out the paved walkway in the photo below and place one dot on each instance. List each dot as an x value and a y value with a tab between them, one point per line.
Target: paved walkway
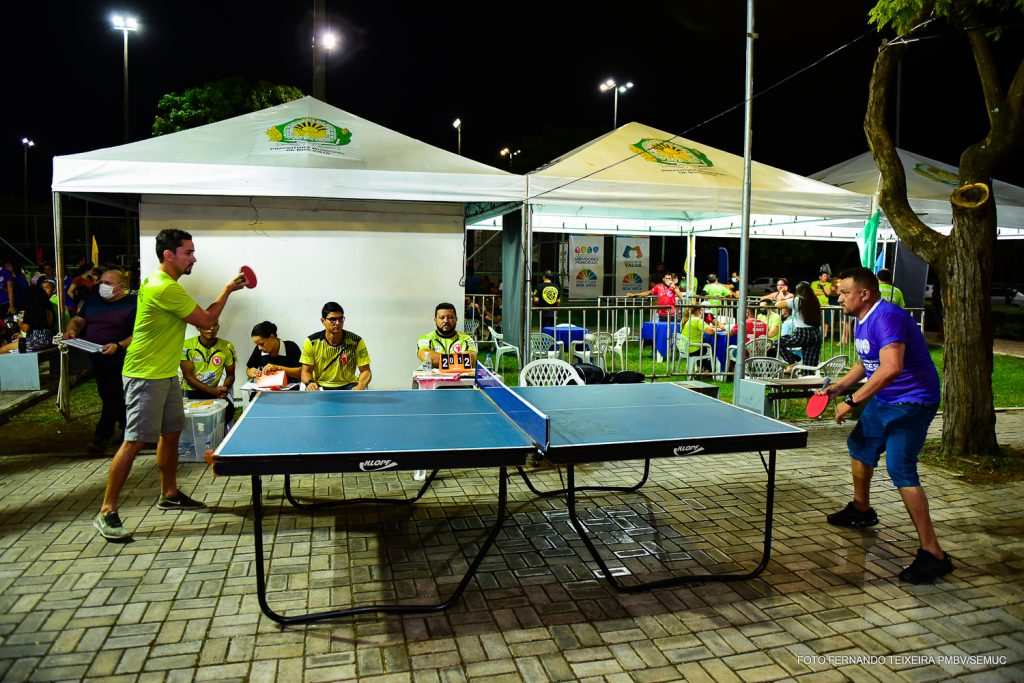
178	604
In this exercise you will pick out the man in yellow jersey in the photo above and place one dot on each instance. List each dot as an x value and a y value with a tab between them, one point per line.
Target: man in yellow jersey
446	339
208	369
334	358
152	392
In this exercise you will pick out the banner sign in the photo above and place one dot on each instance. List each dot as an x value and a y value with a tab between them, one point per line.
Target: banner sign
586	266
632	263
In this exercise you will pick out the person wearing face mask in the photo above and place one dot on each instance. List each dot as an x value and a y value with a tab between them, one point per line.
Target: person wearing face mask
107	317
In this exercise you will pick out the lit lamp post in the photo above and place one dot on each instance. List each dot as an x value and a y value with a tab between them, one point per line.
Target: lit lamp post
457	124
328	41
610	84
506	152
25	144
124	25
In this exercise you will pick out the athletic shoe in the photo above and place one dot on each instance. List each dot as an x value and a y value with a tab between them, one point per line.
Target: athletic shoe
179	502
97	447
853	518
110	527
926	568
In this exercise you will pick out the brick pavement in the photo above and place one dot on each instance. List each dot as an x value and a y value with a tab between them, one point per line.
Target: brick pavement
178	604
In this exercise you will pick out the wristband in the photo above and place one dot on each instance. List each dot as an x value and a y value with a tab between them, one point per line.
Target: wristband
849	401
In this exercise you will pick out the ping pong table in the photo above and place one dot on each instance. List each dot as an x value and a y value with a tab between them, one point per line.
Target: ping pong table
490	426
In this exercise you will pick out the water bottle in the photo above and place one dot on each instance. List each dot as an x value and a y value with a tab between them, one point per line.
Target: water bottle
208	453
488	363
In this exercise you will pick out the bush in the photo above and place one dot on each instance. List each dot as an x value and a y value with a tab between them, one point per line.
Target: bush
1008	322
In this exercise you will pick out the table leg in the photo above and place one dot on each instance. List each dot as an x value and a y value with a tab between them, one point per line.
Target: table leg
570	500
261	581
562	492
331	503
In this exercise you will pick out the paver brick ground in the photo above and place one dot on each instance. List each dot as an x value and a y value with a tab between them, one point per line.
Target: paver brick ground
179	603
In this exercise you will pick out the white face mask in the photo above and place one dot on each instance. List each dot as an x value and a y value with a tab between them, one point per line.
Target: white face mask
106	291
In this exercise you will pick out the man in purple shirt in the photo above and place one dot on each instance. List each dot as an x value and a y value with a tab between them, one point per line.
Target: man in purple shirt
901	396
107	318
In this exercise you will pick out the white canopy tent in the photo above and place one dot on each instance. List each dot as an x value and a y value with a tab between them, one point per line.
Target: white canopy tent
929	185
322	204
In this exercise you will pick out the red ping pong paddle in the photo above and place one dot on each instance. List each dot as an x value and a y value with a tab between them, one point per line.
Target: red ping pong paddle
817	404
247	276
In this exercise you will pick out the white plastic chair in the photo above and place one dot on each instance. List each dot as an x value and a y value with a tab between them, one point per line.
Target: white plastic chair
833	368
501	348
763	367
471	326
549	372
618	348
544	346
693	360
758	346
592	349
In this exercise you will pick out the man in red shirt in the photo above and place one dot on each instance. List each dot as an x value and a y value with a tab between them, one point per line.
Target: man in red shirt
755	328
667	293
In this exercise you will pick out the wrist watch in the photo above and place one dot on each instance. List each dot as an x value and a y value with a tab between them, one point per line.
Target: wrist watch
308	382
849	401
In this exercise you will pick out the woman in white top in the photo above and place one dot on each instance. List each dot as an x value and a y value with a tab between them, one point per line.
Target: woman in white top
805	313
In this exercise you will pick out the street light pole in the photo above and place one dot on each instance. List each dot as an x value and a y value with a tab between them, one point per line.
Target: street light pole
125	24
610	84
25	144
457	124
506	152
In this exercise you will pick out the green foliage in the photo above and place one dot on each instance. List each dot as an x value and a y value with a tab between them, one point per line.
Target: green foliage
1008	322
217	101
904	15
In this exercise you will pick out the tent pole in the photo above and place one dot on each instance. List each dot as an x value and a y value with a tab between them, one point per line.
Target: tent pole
748	110
524	335
64	383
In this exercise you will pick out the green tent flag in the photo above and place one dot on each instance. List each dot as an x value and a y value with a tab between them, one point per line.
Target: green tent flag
866	240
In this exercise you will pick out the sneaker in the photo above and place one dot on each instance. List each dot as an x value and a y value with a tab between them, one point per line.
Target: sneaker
926	568
97	447
853	518
110	527
179	502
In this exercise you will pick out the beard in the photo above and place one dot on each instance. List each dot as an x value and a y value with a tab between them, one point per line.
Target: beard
446	335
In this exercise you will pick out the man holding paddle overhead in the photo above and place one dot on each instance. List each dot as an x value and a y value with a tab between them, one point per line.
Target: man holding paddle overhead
152	393
900	397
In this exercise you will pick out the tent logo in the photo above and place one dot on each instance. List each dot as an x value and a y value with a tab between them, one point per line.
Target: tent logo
669	153
586	274
308	130
939	175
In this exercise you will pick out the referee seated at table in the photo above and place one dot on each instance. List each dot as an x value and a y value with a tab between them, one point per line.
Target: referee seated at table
446	339
334	358
208	368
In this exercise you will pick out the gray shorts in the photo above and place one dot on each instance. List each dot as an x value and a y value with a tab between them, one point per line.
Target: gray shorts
155	407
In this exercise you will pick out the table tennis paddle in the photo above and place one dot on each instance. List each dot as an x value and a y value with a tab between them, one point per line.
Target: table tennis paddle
817	404
247	276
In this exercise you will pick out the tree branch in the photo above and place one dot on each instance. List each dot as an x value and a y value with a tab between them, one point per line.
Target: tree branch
892	195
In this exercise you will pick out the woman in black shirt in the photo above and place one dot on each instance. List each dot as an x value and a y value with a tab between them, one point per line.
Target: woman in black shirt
272	354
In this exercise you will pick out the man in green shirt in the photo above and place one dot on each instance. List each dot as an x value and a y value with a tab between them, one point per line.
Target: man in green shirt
715	289
334	358
208	368
446	339
152	393
885	288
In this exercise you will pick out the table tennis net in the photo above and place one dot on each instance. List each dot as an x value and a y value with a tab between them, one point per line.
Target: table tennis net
522	413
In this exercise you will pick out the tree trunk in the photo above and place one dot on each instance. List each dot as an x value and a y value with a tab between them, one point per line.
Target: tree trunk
965	275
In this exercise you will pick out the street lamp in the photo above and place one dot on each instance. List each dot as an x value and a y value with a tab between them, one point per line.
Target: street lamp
457	125
610	84
321	51
124	25
506	152
25	144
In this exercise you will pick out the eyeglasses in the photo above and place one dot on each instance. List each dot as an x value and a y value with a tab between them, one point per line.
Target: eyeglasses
334	321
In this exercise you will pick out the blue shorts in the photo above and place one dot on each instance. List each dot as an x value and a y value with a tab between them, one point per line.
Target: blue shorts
898	430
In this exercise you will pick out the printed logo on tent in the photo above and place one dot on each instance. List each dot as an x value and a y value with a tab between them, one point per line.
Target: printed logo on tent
586	274
307	130
937	174
632	252
669	153
632	279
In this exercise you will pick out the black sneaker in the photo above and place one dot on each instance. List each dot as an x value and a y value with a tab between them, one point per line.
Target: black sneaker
853	518
110	527
926	568
97	447
179	502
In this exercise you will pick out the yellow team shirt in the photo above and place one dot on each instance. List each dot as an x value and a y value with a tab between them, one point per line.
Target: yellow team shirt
334	366
159	328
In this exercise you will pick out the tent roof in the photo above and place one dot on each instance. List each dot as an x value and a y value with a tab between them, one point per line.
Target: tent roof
640	172
929	185
305	148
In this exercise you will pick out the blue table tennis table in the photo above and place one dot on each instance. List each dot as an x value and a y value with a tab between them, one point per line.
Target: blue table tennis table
292	433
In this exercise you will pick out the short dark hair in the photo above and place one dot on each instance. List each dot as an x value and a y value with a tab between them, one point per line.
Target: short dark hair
445	306
548	275
712	278
264	329
884	275
331	307
862	277
169	240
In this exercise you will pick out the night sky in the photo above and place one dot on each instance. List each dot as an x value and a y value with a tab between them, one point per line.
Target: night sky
523	75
